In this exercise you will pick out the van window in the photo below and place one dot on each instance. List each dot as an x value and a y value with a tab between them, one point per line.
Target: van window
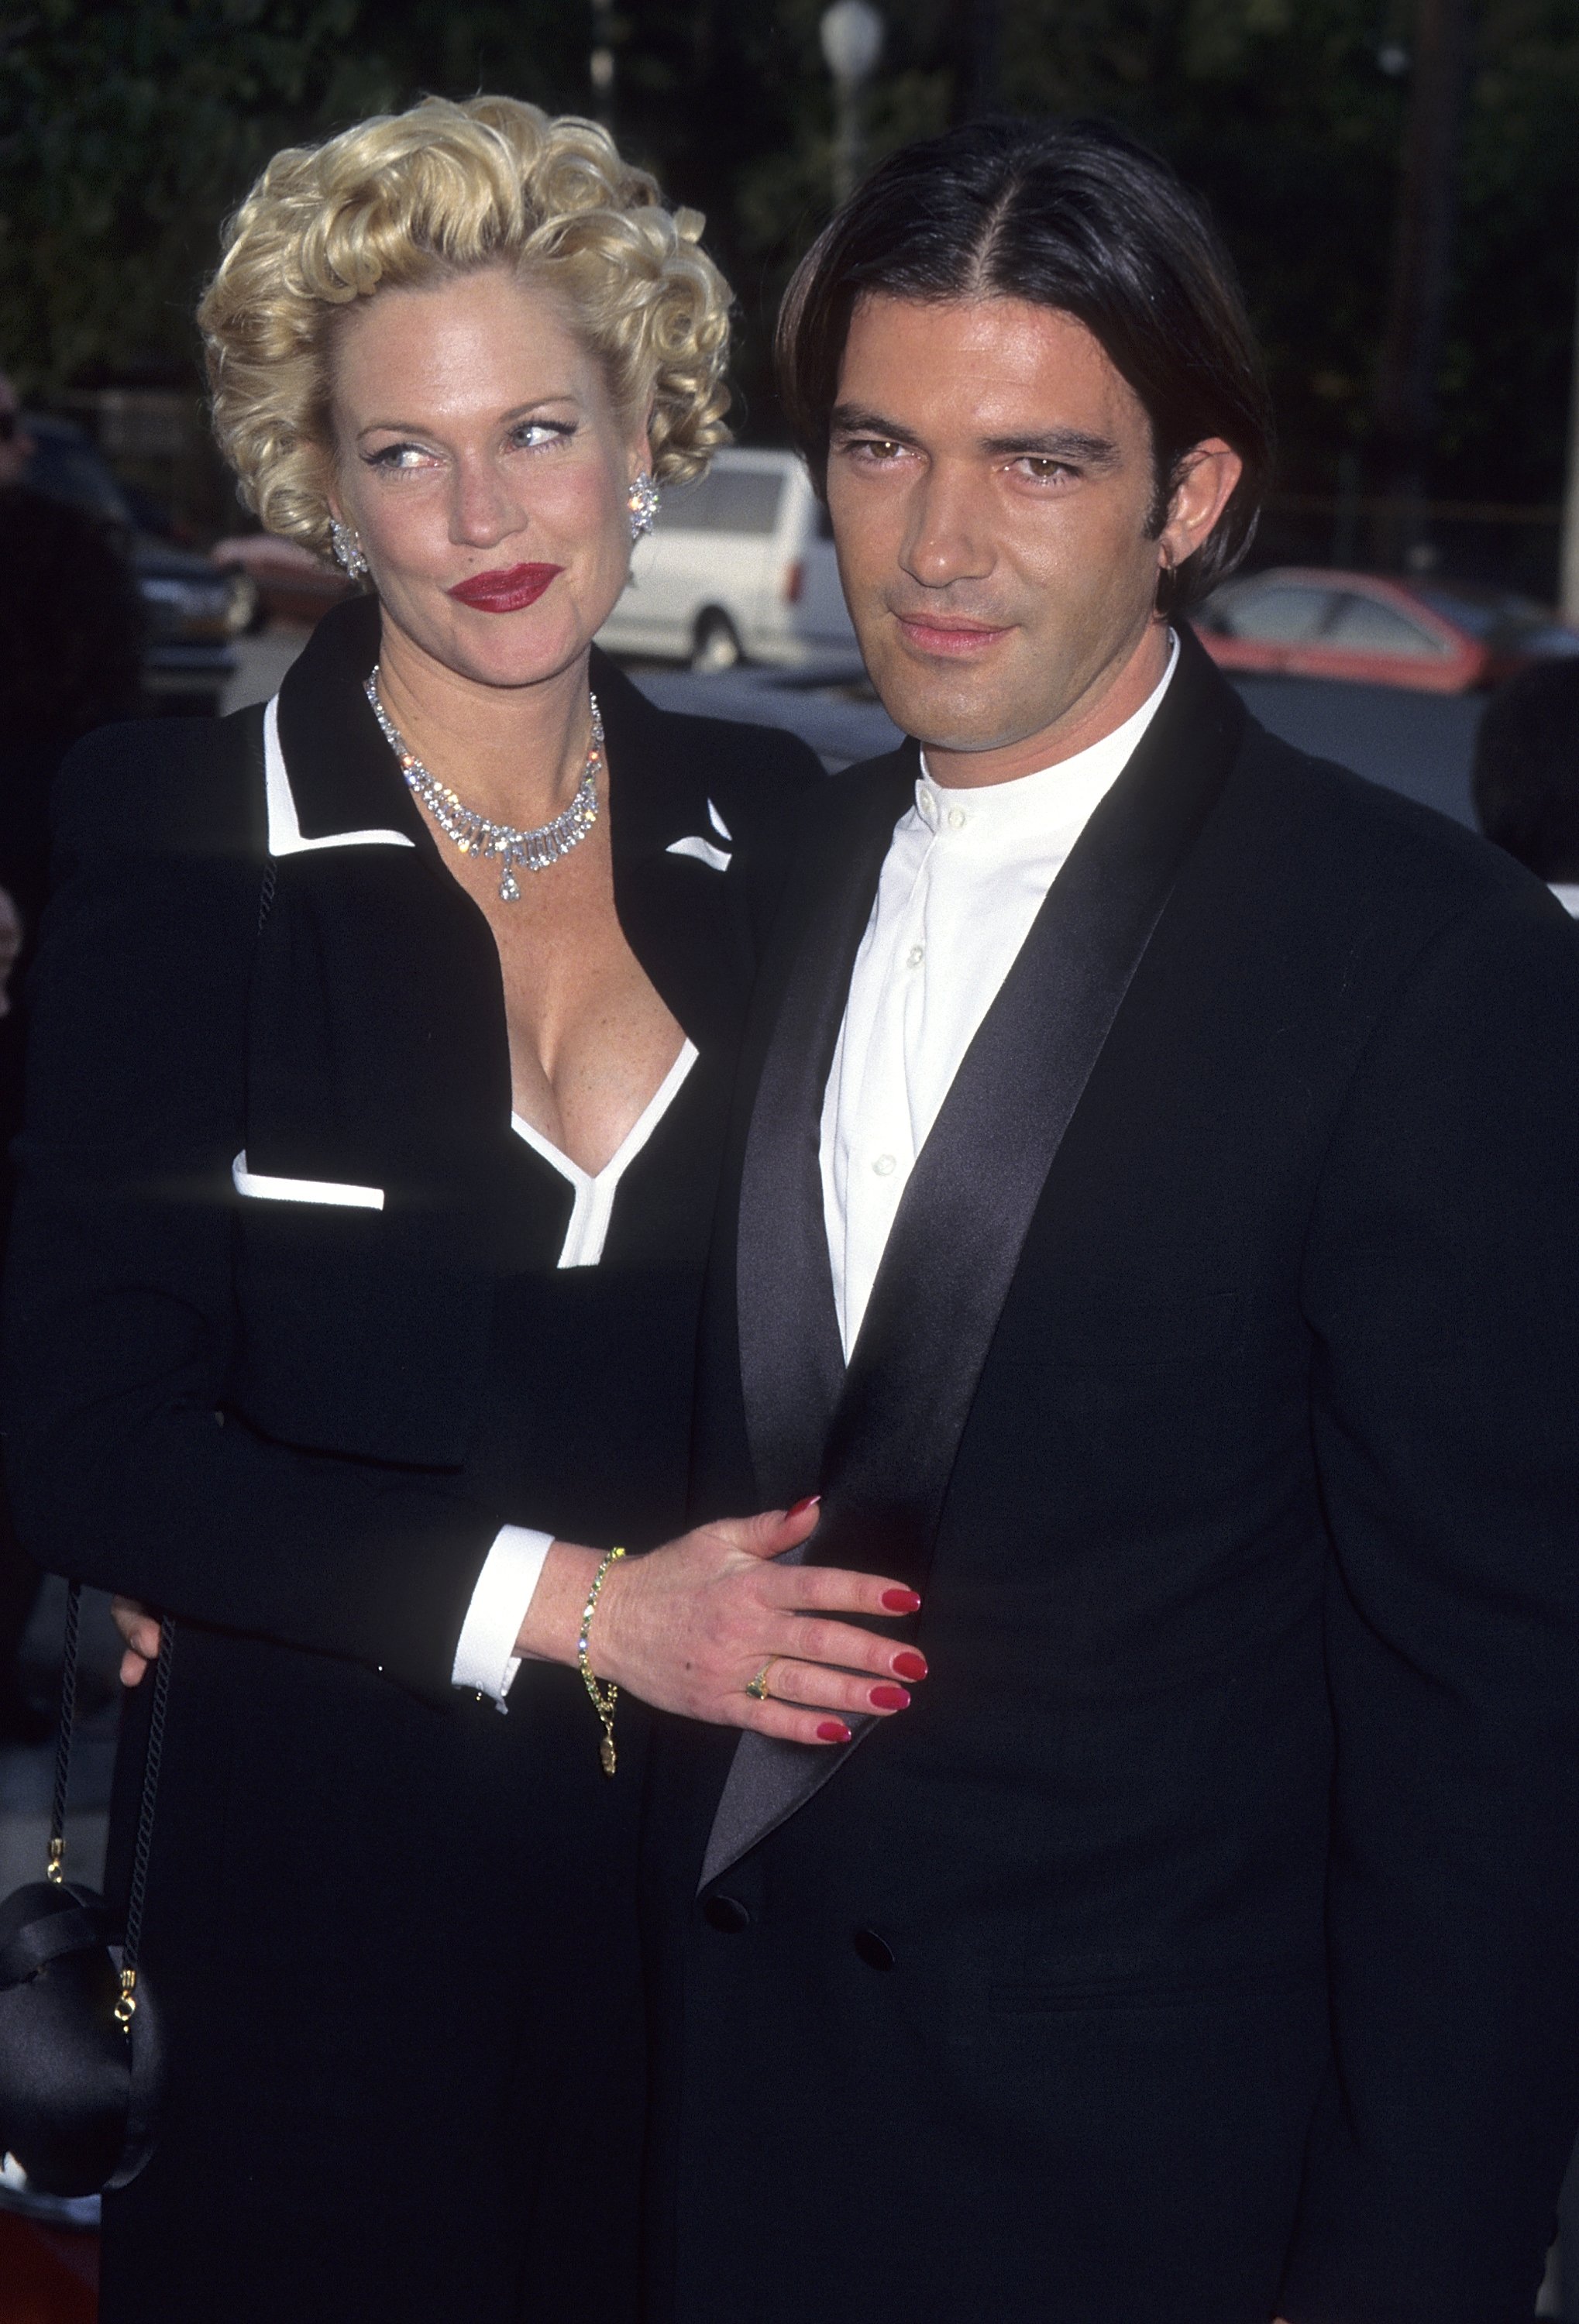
726	500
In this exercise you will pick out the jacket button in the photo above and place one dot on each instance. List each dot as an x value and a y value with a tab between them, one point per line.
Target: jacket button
872	1949
728	1914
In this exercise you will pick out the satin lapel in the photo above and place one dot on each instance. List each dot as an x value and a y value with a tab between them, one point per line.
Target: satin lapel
962	1223
792	1365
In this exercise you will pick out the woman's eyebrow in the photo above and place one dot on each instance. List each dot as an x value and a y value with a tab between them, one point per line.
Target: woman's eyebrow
426	428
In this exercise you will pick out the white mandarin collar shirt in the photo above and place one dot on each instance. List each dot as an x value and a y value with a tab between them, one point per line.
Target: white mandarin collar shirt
965	875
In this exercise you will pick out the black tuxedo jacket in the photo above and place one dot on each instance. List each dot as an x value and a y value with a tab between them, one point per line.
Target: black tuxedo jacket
1204	1943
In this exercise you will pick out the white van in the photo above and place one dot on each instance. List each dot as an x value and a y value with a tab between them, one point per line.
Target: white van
739	568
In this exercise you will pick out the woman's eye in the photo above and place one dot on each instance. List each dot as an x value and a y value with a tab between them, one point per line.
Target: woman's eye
531	433
401	456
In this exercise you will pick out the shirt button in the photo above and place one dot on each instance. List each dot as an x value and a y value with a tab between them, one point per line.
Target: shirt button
916	956
885	1165
957	819
925	801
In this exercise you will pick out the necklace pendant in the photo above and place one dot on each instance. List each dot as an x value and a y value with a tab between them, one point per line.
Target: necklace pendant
509	892
606	1754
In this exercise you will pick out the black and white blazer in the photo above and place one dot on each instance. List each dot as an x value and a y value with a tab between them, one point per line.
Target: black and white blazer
268	1181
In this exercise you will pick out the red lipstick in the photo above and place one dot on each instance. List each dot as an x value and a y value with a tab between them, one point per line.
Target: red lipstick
506	591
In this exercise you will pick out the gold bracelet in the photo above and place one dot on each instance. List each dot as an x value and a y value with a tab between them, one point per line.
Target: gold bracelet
603	1698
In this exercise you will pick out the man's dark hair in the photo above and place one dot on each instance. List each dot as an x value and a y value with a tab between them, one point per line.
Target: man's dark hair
1071	215
1526	781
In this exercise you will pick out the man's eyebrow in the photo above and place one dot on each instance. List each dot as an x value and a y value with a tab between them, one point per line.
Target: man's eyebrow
1072	444
855	420
1057	444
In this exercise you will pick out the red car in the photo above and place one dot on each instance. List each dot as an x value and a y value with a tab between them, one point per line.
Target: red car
1440	637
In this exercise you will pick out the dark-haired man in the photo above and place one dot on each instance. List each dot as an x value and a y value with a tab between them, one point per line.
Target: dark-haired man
1158	1237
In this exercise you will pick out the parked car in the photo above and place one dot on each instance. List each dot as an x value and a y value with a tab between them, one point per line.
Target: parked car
193	612
1440	637
292	585
739	566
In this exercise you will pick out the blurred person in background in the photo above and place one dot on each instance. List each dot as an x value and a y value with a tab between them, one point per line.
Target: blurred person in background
1526	778
70	639
15	443
382	1052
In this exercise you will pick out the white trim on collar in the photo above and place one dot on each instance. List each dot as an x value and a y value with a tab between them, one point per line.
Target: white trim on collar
703	850
285	833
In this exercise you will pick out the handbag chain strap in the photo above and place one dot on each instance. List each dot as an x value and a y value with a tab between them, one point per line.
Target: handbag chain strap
126	2006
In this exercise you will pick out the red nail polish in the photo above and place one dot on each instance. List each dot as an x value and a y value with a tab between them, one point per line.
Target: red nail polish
901	1601
806	1501
833	1731
889	1698
909	1664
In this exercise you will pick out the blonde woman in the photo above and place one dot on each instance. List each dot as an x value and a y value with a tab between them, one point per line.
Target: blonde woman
383	1048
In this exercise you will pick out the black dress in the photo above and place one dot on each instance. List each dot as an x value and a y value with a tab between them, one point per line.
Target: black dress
392	1929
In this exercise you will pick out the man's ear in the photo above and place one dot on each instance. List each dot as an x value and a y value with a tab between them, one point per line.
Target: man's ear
1203	485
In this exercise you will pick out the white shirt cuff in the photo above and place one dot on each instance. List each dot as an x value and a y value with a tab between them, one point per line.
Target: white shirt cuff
486	1658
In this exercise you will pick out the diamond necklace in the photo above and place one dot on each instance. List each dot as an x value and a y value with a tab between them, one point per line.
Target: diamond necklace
472	833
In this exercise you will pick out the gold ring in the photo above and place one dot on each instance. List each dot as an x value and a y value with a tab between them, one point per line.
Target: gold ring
757	1688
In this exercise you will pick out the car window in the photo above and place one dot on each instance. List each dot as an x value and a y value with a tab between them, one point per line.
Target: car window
1500	618
1365	625
1284	612
726	500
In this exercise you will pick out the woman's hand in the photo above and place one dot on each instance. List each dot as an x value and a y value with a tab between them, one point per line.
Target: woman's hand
140	1632
690	1627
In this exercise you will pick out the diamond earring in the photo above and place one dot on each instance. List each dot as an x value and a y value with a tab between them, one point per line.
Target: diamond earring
347	549
642	502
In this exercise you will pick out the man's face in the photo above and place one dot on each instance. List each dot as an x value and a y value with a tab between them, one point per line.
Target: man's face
991	484
15	448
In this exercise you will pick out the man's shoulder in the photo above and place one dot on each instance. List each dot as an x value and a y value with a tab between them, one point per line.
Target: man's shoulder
164	786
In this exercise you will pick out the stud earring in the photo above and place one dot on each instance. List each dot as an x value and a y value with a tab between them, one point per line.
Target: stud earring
642	502
347	549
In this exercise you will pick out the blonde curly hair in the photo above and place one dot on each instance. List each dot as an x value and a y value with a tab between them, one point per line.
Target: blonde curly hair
410	197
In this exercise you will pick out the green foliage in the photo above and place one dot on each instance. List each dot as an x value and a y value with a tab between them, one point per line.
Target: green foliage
127	131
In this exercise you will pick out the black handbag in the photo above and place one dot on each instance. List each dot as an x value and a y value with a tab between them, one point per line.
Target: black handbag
81	2065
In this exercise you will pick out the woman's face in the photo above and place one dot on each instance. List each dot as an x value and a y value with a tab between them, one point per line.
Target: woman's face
478	455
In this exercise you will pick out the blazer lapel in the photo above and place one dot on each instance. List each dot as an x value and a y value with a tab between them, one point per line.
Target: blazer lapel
340	776
681	916
962	1221
792	1365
